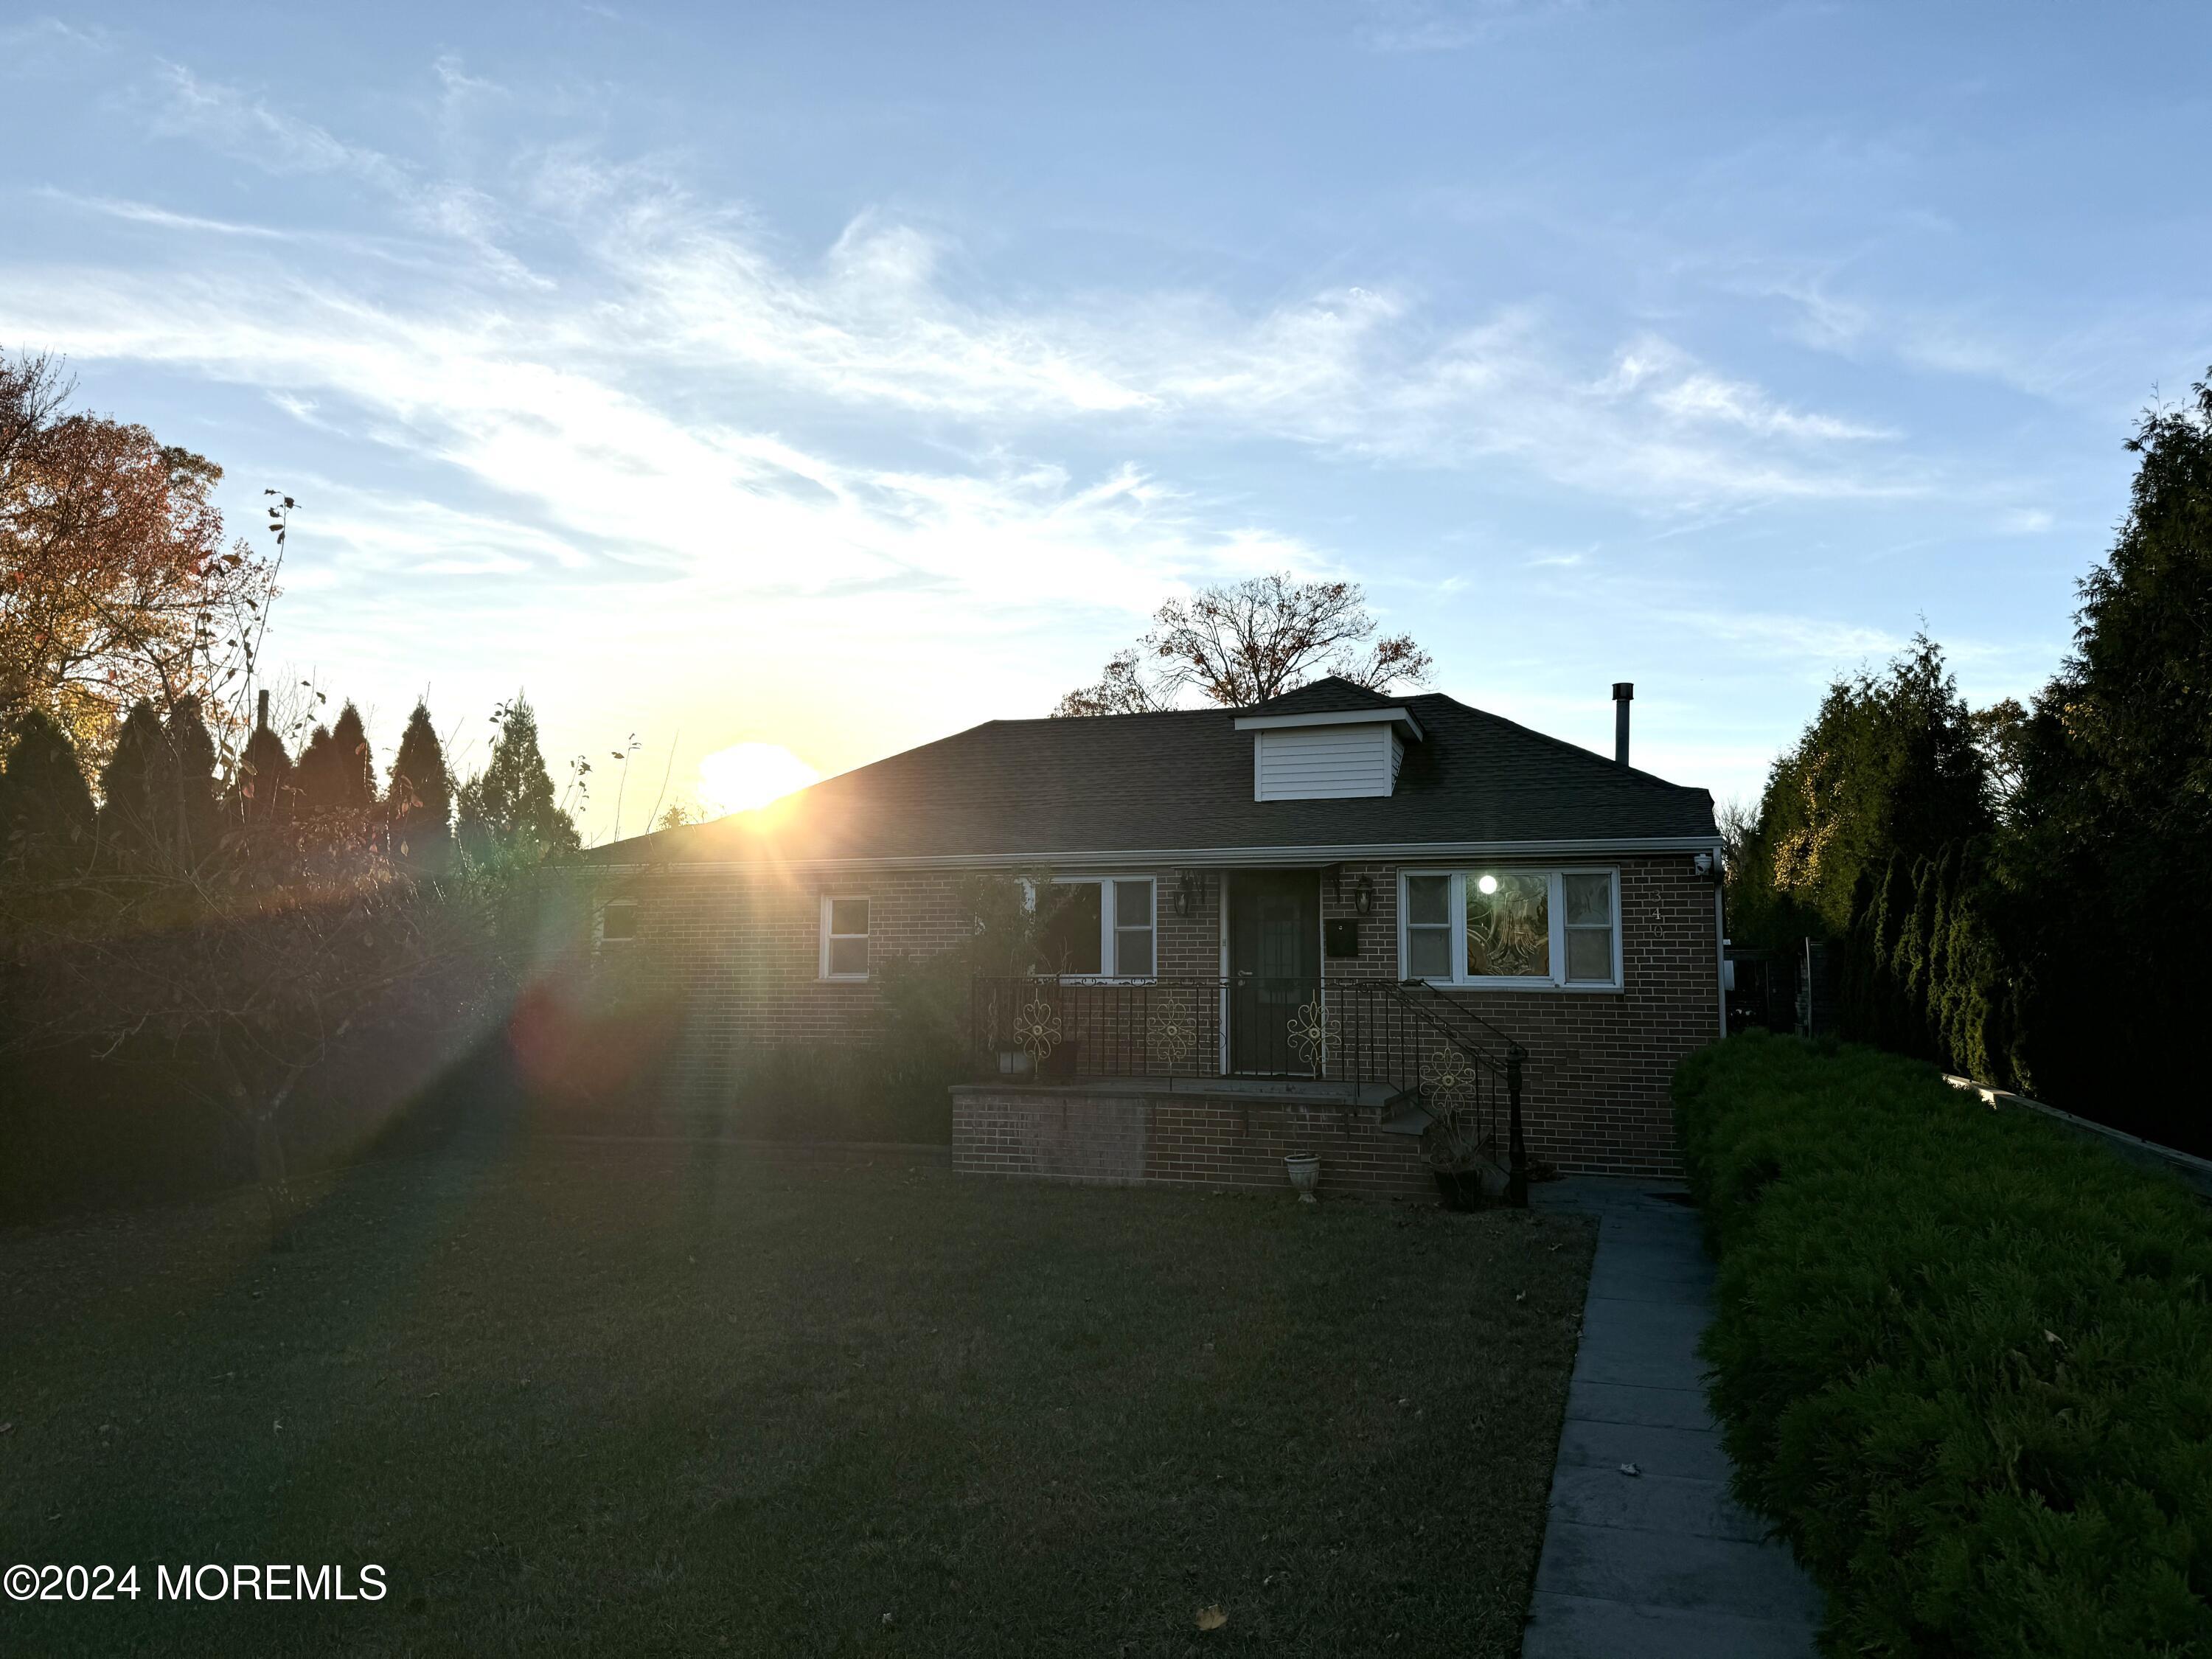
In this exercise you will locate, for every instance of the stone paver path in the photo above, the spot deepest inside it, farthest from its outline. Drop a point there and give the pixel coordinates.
(1663, 1562)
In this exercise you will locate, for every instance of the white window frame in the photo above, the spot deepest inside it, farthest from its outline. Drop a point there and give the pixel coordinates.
(1555, 909)
(601, 937)
(823, 960)
(1106, 950)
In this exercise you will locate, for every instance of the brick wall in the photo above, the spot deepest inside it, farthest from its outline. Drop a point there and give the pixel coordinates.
(1594, 1091)
(1100, 1137)
(733, 958)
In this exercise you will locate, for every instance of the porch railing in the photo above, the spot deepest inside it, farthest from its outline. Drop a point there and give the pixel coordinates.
(1432, 1064)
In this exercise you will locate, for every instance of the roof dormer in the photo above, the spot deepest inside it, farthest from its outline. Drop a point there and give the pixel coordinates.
(1329, 754)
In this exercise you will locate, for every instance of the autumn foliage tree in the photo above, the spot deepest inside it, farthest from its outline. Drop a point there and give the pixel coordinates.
(1243, 642)
(115, 584)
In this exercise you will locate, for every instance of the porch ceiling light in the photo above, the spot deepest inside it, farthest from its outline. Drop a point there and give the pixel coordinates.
(1488, 884)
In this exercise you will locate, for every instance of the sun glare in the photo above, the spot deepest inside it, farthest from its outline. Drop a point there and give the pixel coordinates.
(749, 774)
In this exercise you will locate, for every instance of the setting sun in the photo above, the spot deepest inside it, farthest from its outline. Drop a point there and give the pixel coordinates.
(750, 775)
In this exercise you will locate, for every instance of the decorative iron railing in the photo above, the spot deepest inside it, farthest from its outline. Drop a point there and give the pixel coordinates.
(1406, 1047)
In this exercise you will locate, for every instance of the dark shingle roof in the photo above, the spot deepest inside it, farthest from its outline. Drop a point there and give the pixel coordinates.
(1331, 696)
(1183, 782)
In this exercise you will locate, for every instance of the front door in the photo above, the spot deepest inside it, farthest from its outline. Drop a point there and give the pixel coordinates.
(1275, 968)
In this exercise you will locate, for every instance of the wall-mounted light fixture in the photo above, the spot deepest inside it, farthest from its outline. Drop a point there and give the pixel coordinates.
(1190, 893)
(1363, 896)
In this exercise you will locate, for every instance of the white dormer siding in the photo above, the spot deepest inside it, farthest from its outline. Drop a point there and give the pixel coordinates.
(1326, 755)
(1321, 762)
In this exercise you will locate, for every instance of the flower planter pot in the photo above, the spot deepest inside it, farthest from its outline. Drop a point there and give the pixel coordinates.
(1459, 1190)
(1305, 1170)
(1014, 1062)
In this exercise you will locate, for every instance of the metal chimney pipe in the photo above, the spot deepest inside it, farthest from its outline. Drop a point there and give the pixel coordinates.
(261, 722)
(1624, 693)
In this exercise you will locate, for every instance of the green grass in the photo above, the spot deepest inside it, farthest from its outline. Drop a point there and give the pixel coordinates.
(637, 1399)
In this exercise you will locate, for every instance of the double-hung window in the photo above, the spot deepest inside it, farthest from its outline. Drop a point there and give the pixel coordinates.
(1100, 926)
(1511, 928)
(844, 938)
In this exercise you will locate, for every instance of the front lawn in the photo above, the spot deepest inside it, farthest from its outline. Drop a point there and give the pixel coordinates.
(633, 1399)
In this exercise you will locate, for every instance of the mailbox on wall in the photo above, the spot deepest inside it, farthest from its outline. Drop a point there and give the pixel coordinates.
(1339, 936)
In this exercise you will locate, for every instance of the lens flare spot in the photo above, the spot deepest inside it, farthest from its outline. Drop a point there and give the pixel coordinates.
(749, 774)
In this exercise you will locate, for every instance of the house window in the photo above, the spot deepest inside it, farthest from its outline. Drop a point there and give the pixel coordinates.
(844, 938)
(618, 922)
(1512, 927)
(1508, 926)
(1588, 901)
(1103, 926)
(1132, 929)
(1428, 927)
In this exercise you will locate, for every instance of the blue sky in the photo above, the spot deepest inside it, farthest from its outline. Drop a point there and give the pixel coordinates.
(836, 377)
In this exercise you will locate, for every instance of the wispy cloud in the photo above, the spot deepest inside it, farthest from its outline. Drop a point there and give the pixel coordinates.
(1449, 25)
(249, 130)
(162, 218)
(1820, 642)
(593, 403)
(27, 46)
(1363, 369)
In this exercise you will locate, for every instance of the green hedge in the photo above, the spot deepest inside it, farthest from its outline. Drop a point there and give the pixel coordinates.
(1962, 1359)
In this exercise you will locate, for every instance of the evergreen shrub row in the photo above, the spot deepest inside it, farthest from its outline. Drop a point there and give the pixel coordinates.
(1962, 1359)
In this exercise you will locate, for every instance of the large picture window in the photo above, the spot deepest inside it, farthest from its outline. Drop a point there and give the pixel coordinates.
(1102, 926)
(1508, 927)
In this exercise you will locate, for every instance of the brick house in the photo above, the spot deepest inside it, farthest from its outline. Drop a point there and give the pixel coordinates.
(1313, 925)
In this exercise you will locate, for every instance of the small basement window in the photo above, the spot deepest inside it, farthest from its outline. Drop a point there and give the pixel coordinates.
(844, 938)
(618, 922)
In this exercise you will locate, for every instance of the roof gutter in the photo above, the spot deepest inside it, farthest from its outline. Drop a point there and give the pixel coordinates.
(1234, 858)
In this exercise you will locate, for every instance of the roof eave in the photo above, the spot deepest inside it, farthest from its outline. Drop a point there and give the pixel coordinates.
(1216, 857)
(1335, 717)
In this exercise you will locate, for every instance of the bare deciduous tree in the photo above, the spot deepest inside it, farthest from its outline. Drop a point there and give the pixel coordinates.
(1243, 642)
(1122, 689)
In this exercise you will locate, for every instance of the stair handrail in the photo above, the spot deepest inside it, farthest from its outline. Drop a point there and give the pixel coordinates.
(1509, 1068)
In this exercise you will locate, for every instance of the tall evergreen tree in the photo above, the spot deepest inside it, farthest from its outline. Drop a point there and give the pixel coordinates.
(508, 809)
(2115, 800)
(266, 786)
(1888, 767)
(129, 806)
(421, 797)
(353, 769)
(46, 807)
(190, 820)
(335, 774)
(318, 789)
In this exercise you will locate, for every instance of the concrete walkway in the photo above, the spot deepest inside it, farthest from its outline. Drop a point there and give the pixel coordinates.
(1662, 1562)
